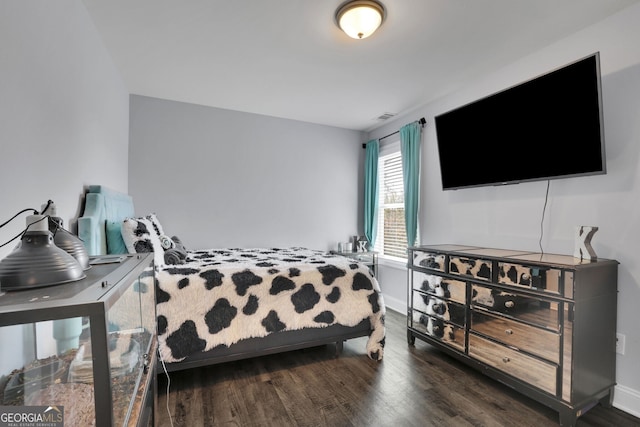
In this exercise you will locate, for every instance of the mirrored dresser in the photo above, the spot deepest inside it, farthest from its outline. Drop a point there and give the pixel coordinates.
(542, 324)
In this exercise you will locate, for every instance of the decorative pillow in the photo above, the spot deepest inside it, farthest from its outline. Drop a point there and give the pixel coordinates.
(177, 254)
(115, 243)
(179, 245)
(173, 257)
(139, 236)
(166, 242)
(156, 224)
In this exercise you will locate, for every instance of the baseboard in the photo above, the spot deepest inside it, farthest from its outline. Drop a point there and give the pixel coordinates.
(395, 304)
(627, 399)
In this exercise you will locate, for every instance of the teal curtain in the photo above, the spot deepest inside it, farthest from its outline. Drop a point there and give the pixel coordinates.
(371, 191)
(410, 138)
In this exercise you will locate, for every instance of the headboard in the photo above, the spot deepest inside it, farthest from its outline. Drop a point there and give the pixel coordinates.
(100, 225)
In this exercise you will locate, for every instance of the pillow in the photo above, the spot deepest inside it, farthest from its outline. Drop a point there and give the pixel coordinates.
(166, 242)
(156, 224)
(178, 244)
(115, 243)
(139, 236)
(177, 254)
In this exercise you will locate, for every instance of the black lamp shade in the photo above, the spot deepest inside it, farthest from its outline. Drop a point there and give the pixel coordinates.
(69, 242)
(38, 262)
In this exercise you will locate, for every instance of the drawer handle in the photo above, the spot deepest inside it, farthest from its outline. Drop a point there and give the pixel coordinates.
(508, 332)
(509, 304)
(506, 359)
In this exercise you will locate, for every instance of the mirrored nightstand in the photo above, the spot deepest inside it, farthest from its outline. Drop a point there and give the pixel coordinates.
(368, 258)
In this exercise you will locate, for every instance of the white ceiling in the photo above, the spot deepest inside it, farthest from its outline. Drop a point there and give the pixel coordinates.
(287, 58)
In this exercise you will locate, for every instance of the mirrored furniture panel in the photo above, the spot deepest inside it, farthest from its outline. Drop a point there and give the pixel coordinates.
(368, 258)
(87, 347)
(543, 324)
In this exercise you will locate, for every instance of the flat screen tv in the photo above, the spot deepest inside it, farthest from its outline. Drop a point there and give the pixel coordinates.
(545, 128)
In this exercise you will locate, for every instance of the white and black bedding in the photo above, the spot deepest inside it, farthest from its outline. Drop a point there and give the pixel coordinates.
(219, 297)
(219, 305)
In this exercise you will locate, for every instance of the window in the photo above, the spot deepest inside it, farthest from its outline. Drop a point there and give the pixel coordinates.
(391, 238)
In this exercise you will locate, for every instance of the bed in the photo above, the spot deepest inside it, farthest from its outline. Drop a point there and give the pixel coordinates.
(223, 304)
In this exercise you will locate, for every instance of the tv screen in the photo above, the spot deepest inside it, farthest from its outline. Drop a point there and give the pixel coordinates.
(546, 128)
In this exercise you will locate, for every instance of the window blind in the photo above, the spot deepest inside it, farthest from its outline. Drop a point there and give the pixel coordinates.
(392, 236)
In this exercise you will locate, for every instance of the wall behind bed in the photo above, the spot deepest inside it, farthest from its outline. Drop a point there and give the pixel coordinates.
(222, 178)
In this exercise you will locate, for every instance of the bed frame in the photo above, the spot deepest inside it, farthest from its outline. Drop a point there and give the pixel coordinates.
(105, 206)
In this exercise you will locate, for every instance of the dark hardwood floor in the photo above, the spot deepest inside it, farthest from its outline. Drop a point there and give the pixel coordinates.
(412, 386)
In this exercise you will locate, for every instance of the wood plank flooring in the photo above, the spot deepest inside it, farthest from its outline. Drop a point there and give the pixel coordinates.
(412, 386)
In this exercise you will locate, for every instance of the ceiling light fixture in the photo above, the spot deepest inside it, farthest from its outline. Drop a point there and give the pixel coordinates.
(360, 18)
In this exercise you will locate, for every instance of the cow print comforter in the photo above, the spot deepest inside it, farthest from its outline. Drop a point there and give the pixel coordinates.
(221, 296)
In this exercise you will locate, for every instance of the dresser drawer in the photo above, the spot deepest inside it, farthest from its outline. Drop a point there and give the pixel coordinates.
(450, 289)
(537, 311)
(527, 368)
(439, 329)
(544, 279)
(542, 343)
(429, 260)
(476, 268)
(437, 307)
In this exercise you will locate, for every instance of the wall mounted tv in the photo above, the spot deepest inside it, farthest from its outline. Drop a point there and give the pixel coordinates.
(546, 128)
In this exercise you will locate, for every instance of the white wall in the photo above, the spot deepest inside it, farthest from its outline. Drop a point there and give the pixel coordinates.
(510, 216)
(64, 118)
(221, 178)
(63, 110)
